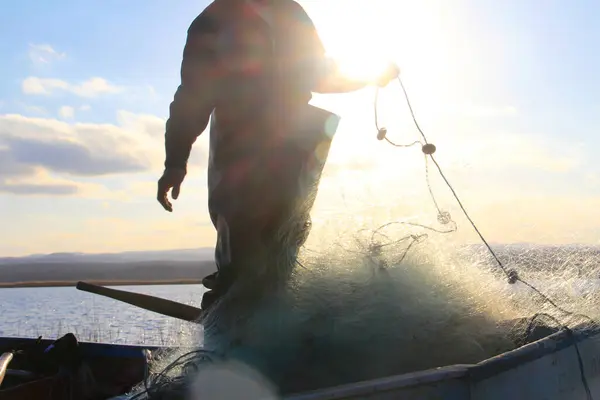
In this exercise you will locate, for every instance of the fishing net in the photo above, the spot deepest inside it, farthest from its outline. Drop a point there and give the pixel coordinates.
(367, 317)
(368, 298)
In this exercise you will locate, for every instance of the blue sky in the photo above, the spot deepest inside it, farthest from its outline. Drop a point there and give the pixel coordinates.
(507, 90)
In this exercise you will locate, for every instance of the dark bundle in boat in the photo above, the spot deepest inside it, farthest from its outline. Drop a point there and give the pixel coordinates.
(66, 369)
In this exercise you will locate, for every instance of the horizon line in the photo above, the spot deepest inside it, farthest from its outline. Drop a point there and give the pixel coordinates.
(494, 244)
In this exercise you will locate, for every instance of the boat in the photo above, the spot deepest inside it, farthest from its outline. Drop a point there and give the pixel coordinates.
(561, 365)
(546, 369)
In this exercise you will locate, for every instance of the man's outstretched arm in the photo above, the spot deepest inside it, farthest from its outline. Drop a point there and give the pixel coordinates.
(329, 79)
(191, 107)
(335, 82)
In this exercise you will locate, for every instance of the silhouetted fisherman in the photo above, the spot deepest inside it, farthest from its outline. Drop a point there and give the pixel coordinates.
(252, 66)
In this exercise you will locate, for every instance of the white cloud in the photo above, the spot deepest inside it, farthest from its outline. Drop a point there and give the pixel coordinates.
(85, 107)
(36, 148)
(95, 86)
(40, 182)
(77, 148)
(33, 109)
(89, 88)
(44, 54)
(66, 112)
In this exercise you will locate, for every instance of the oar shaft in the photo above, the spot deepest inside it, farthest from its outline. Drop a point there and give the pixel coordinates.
(5, 359)
(147, 302)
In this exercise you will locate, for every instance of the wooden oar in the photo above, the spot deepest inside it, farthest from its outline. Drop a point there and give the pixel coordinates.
(147, 302)
(5, 359)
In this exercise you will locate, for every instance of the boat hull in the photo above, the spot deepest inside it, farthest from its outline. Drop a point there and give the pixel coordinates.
(548, 369)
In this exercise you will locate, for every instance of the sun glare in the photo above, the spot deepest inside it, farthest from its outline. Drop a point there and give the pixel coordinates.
(362, 68)
(360, 53)
(363, 36)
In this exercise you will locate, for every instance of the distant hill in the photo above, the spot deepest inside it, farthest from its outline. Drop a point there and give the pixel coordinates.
(202, 254)
(141, 267)
(191, 265)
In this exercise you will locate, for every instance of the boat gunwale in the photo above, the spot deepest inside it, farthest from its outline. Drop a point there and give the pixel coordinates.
(92, 349)
(472, 372)
(387, 384)
(532, 351)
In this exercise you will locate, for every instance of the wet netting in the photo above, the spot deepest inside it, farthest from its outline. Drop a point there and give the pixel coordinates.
(370, 299)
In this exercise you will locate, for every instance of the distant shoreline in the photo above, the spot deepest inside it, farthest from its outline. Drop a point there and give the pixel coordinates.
(33, 284)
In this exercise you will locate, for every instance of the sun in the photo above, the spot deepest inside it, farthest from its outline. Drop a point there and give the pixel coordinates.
(357, 34)
(363, 37)
(362, 52)
(360, 68)
(359, 54)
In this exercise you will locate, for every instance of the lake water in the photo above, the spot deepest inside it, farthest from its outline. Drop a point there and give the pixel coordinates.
(52, 312)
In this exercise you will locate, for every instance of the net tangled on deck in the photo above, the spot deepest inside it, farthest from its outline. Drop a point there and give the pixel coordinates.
(350, 315)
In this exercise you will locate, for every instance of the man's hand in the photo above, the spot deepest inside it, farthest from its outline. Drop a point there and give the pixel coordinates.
(391, 72)
(171, 179)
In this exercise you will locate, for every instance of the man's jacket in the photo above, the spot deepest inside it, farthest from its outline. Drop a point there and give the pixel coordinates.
(253, 68)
